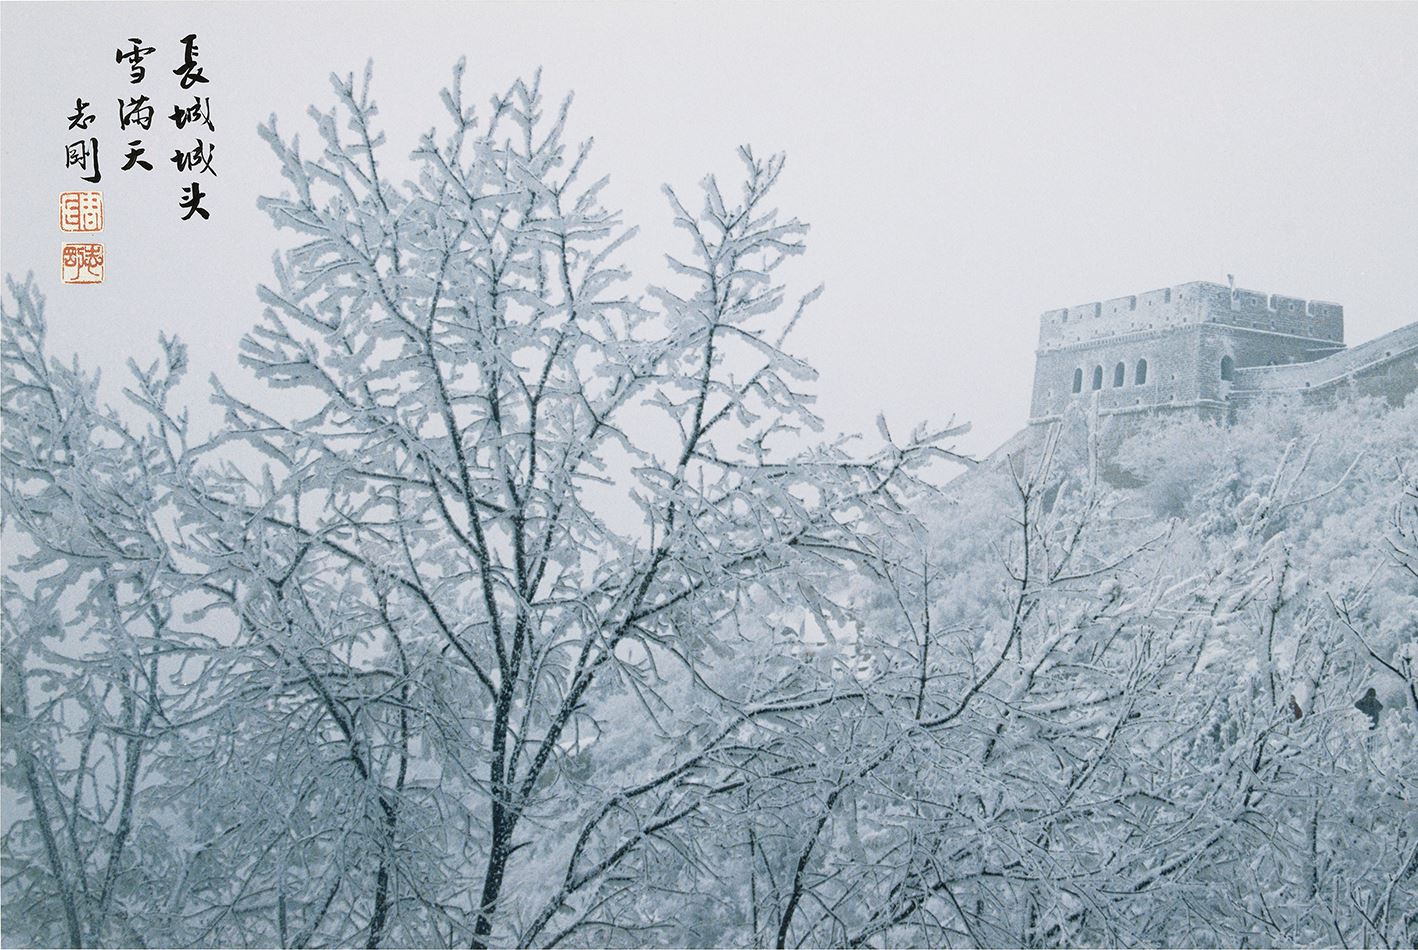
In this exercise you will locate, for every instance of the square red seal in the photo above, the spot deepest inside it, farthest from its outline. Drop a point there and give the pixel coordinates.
(82, 264)
(81, 211)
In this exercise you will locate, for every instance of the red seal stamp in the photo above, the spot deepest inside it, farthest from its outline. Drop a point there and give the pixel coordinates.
(82, 264)
(81, 211)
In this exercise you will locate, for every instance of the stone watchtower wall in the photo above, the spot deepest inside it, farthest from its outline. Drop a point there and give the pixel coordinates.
(1385, 367)
(1171, 350)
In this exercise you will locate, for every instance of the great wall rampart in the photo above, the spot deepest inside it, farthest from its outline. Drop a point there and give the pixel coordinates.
(1208, 349)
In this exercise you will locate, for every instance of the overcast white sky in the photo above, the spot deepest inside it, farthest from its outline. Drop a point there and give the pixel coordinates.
(964, 166)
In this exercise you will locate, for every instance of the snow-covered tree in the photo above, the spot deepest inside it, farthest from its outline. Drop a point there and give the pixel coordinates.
(479, 602)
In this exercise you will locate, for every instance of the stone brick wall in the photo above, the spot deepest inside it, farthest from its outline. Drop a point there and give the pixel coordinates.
(1054, 372)
(1386, 366)
(1191, 303)
(1184, 333)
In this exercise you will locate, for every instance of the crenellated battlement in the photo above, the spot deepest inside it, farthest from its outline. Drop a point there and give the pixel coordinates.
(1191, 304)
(1210, 351)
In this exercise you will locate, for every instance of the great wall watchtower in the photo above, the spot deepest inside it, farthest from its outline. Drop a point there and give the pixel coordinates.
(1206, 349)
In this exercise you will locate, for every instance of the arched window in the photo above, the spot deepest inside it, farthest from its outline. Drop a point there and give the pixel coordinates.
(1119, 374)
(1139, 375)
(1078, 380)
(1228, 368)
(1097, 377)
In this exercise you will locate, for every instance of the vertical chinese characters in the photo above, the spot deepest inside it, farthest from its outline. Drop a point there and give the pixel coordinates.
(83, 154)
(139, 142)
(135, 113)
(195, 159)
